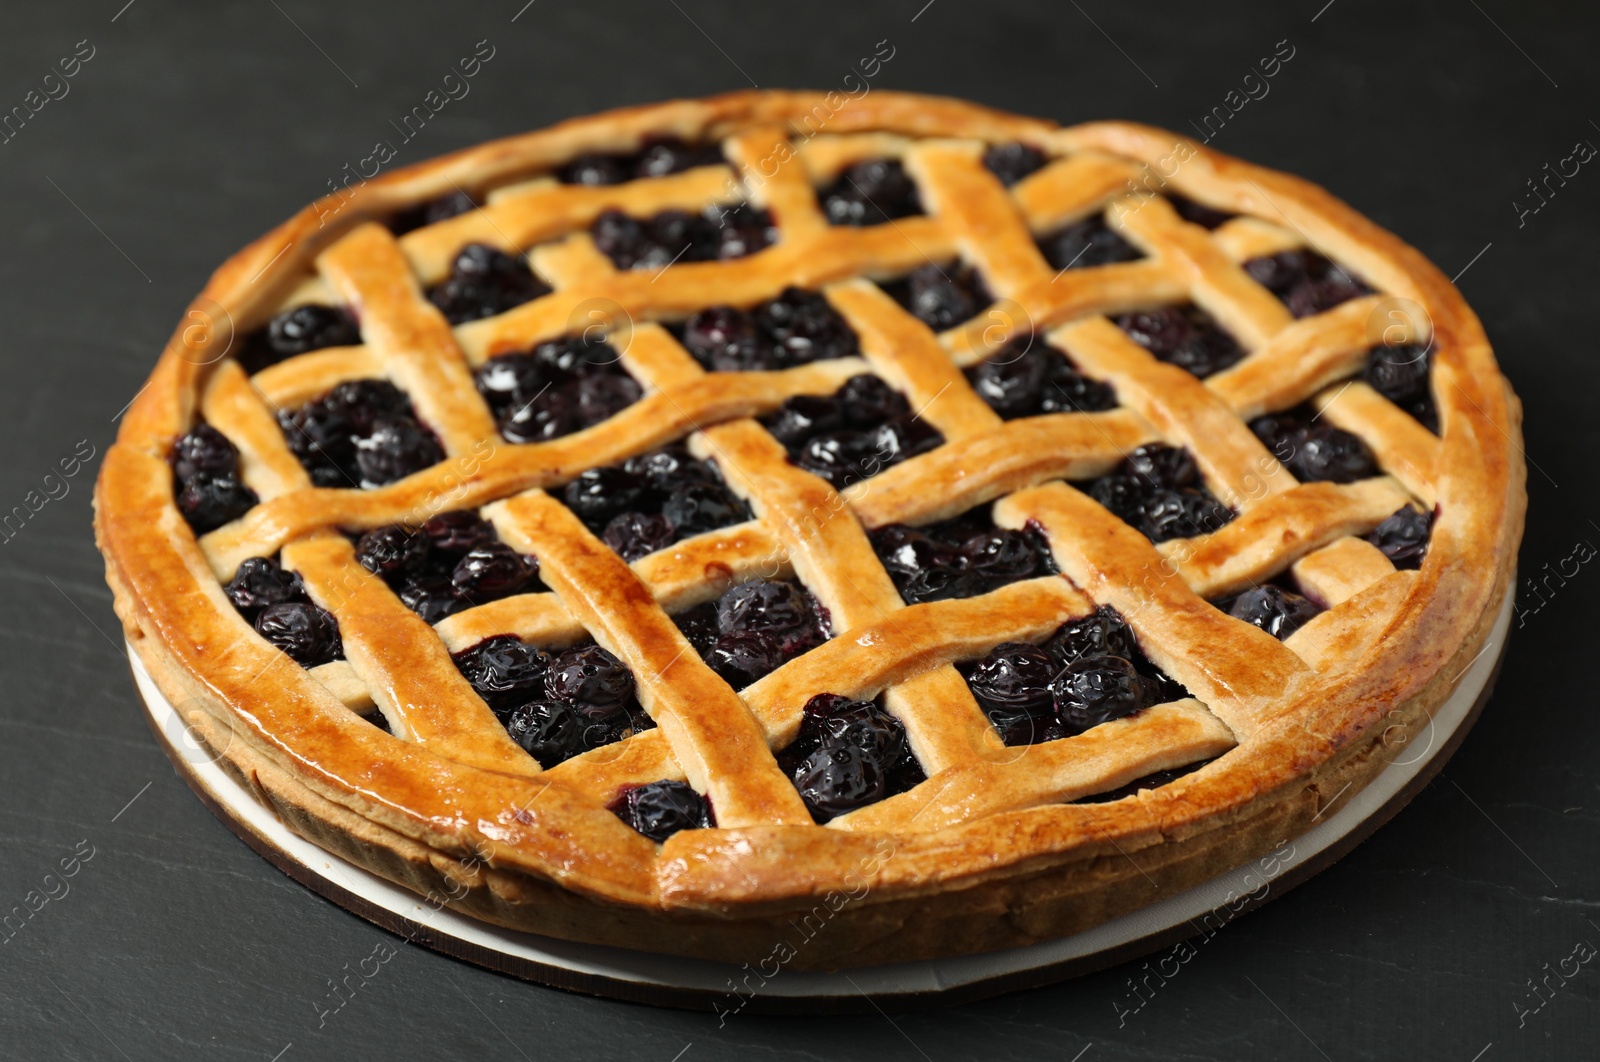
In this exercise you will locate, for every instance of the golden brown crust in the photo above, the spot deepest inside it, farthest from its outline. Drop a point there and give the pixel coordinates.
(997, 862)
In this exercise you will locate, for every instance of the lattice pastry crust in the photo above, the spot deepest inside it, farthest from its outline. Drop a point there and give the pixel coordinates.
(990, 850)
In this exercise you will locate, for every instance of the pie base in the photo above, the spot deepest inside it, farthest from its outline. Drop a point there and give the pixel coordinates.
(1049, 901)
(638, 977)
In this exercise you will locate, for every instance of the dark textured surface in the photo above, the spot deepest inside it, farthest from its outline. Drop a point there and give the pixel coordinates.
(193, 129)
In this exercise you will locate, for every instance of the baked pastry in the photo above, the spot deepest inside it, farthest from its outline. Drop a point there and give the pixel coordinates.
(933, 529)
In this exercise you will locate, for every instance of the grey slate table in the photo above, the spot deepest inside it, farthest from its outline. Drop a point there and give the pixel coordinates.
(191, 128)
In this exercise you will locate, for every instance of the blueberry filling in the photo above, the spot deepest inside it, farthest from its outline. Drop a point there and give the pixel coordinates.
(870, 193)
(754, 628)
(1400, 374)
(795, 328)
(441, 208)
(453, 561)
(1012, 162)
(1026, 378)
(1089, 672)
(673, 236)
(310, 326)
(1149, 781)
(557, 388)
(485, 281)
(657, 158)
(1313, 449)
(555, 706)
(362, 433)
(1275, 609)
(1403, 537)
(1090, 242)
(1157, 489)
(1307, 282)
(848, 754)
(653, 500)
(276, 604)
(941, 298)
(962, 557)
(1197, 213)
(863, 428)
(1184, 336)
(660, 809)
(205, 469)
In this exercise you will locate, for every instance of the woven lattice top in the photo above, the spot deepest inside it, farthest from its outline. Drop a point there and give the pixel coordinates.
(1240, 679)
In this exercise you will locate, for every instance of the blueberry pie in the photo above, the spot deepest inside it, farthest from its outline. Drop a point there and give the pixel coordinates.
(939, 527)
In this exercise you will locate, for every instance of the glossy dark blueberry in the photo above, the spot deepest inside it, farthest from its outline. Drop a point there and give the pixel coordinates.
(590, 679)
(1028, 377)
(1015, 676)
(699, 625)
(839, 778)
(207, 504)
(829, 719)
(259, 582)
(505, 671)
(1102, 632)
(1400, 374)
(433, 597)
(1090, 242)
(670, 155)
(1012, 162)
(392, 552)
(870, 193)
(485, 281)
(307, 632)
(1315, 450)
(204, 451)
(1307, 282)
(1162, 466)
(1197, 213)
(1133, 495)
(1097, 689)
(595, 170)
(1168, 514)
(674, 236)
(660, 809)
(493, 570)
(805, 327)
(657, 158)
(602, 396)
(743, 657)
(548, 731)
(941, 297)
(696, 508)
(544, 417)
(743, 230)
(1184, 336)
(959, 558)
(764, 605)
(1403, 537)
(362, 433)
(923, 568)
(671, 467)
(599, 494)
(457, 532)
(804, 416)
(443, 208)
(395, 449)
(297, 331)
(795, 328)
(881, 431)
(557, 388)
(1275, 610)
(635, 535)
